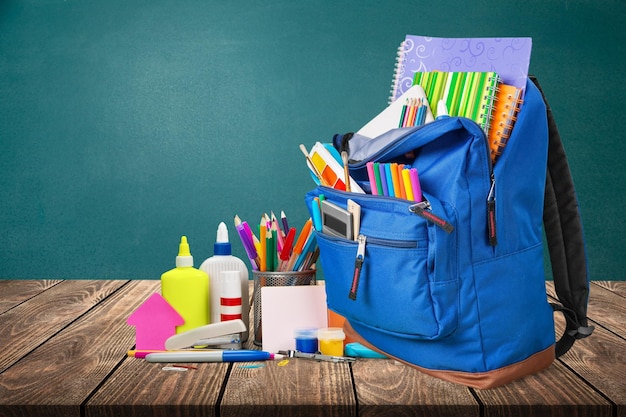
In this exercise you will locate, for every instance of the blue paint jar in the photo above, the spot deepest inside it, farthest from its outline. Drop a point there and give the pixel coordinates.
(306, 340)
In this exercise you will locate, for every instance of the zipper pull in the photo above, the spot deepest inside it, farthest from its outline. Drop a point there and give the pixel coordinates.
(491, 213)
(422, 209)
(358, 264)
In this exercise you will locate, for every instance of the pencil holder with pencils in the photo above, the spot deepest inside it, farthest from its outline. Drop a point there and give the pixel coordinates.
(275, 279)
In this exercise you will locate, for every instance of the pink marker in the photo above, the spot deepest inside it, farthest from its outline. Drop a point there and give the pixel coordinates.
(372, 178)
(415, 185)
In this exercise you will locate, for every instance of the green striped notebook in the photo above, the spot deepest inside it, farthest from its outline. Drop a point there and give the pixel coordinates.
(466, 94)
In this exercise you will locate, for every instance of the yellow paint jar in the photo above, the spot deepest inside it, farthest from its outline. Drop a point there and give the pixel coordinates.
(331, 341)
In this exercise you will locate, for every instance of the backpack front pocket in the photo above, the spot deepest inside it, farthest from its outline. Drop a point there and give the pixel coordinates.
(401, 289)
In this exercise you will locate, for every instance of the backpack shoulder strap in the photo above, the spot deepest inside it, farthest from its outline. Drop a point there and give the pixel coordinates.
(565, 237)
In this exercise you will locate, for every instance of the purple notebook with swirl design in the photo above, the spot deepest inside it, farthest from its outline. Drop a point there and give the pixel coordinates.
(509, 57)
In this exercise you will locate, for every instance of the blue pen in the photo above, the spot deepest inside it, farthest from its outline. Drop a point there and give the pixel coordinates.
(212, 356)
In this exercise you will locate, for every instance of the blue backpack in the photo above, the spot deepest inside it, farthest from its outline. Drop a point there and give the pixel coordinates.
(455, 286)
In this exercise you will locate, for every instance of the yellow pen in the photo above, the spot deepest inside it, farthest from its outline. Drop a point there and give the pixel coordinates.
(263, 243)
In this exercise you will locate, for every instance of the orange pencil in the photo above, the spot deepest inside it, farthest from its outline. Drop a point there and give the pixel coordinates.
(297, 249)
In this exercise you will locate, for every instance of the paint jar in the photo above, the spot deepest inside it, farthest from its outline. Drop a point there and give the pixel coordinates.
(306, 340)
(331, 341)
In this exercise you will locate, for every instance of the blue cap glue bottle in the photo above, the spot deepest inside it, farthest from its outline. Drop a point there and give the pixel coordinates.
(215, 266)
(186, 289)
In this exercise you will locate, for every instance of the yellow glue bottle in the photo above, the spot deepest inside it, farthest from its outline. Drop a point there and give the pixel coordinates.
(186, 289)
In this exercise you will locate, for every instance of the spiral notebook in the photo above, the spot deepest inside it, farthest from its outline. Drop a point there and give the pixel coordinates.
(509, 57)
(465, 94)
(507, 106)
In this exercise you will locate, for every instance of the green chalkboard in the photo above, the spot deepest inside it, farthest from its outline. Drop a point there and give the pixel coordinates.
(126, 124)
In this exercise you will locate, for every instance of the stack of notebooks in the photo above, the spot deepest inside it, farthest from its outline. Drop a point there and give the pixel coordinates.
(466, 94)
(507, 106)
(482, 79)
(509, 57)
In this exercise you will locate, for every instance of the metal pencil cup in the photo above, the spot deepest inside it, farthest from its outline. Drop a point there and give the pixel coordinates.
(275, 279)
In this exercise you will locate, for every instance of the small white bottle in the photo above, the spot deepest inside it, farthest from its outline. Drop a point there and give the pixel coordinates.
(230, 297)
(223, 260)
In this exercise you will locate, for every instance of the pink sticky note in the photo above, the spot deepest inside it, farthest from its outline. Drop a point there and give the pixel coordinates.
(155, 320)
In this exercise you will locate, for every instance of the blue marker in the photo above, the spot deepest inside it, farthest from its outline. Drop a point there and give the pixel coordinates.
(317, 214)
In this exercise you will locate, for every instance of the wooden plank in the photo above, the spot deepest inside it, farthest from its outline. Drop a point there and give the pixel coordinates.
(605, 307)
(58, 376)
(618, 287)
(14, 292)
(599, 359)
(556, 391)
(559, 391)
(138, 387)
(31, 323)
(302, 387)
(386, 387)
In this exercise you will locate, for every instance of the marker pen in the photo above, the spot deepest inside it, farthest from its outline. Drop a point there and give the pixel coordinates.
(212, 356)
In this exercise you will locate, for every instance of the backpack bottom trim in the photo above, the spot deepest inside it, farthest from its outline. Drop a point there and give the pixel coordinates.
(480, 380)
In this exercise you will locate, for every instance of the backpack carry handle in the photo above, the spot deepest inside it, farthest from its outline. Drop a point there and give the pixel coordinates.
(564, 233)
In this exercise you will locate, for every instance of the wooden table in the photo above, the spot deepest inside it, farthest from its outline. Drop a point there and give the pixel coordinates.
(63, 352)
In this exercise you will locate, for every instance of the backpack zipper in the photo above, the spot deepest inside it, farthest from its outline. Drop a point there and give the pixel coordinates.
(423, 209)
(360, 256)
(358, 265)
(491, 212)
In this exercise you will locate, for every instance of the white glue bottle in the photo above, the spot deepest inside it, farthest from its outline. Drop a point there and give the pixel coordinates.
(223, 260)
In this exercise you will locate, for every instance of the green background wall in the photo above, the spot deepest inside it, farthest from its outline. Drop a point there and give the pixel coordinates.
(126, 124)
